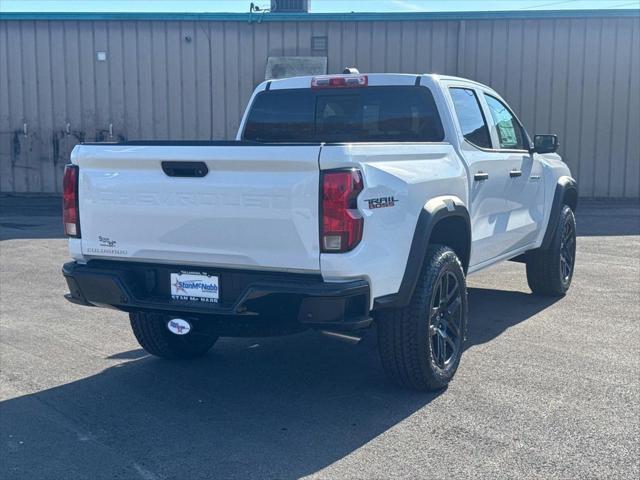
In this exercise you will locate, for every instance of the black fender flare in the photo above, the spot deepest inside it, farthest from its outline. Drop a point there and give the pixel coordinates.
(566, 193)
(434, 211)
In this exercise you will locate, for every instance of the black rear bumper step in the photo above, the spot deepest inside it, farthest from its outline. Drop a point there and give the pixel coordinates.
(255, 297)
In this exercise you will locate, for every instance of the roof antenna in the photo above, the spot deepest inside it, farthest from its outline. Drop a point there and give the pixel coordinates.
(351, 70)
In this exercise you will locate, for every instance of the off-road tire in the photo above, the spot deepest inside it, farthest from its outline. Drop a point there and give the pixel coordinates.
(544, 266)
(404, 333)
(151, 331)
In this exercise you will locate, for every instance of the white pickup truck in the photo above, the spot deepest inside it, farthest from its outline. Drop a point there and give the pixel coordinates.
(345, 200)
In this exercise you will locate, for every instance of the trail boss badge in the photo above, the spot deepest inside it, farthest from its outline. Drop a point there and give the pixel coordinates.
(381, 202)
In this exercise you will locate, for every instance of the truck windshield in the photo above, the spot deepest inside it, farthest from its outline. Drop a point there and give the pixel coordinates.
(370, 114)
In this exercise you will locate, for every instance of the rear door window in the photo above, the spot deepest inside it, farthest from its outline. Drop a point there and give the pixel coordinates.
(472, 122)
(370, 114)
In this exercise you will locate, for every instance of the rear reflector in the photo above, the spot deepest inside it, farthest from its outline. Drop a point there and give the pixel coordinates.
(70, 212)
(341, 223)
(342, 81)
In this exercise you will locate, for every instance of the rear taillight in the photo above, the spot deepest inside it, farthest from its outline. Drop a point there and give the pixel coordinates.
(342, 81)
(341, 223)
(70, 213)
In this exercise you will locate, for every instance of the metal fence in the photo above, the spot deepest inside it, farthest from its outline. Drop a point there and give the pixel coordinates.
(69, 78)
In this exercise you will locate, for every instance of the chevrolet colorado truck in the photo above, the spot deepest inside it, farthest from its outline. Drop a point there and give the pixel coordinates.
(345, 201)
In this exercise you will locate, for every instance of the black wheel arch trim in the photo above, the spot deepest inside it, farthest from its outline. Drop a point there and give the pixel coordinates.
(566, 193)
(433, 212)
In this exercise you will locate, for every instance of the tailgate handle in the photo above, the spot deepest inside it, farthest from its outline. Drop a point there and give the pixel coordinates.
(185, 169)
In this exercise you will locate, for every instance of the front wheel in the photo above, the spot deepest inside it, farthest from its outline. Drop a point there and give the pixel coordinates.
(421, 344)
(150, 329)
(550, 271)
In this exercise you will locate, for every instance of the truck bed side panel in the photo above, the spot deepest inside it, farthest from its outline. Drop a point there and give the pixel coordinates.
(410, 174)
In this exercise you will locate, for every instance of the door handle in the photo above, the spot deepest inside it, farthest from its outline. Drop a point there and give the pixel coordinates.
(515, 173)
(185, 169)
(481, 176)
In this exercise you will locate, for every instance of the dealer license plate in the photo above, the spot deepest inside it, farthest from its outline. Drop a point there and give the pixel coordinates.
(195, 287)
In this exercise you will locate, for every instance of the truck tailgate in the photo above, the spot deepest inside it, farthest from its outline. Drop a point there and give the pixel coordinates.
(257, 207)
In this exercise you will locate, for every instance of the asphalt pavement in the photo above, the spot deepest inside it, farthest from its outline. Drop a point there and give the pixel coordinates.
(547, 388)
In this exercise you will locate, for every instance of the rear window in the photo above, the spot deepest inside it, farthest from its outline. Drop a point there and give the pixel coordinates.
(371, 114)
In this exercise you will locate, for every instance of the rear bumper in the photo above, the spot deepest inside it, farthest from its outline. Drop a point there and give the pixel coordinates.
(249, 300)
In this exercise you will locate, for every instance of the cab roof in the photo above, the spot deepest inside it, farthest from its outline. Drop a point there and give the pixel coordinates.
(374, 79)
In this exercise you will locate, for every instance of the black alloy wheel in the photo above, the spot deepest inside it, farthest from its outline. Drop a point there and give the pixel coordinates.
(445, 321)
(567, 251)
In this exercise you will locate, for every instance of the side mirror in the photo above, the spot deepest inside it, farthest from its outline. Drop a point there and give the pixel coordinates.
(545, 144)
